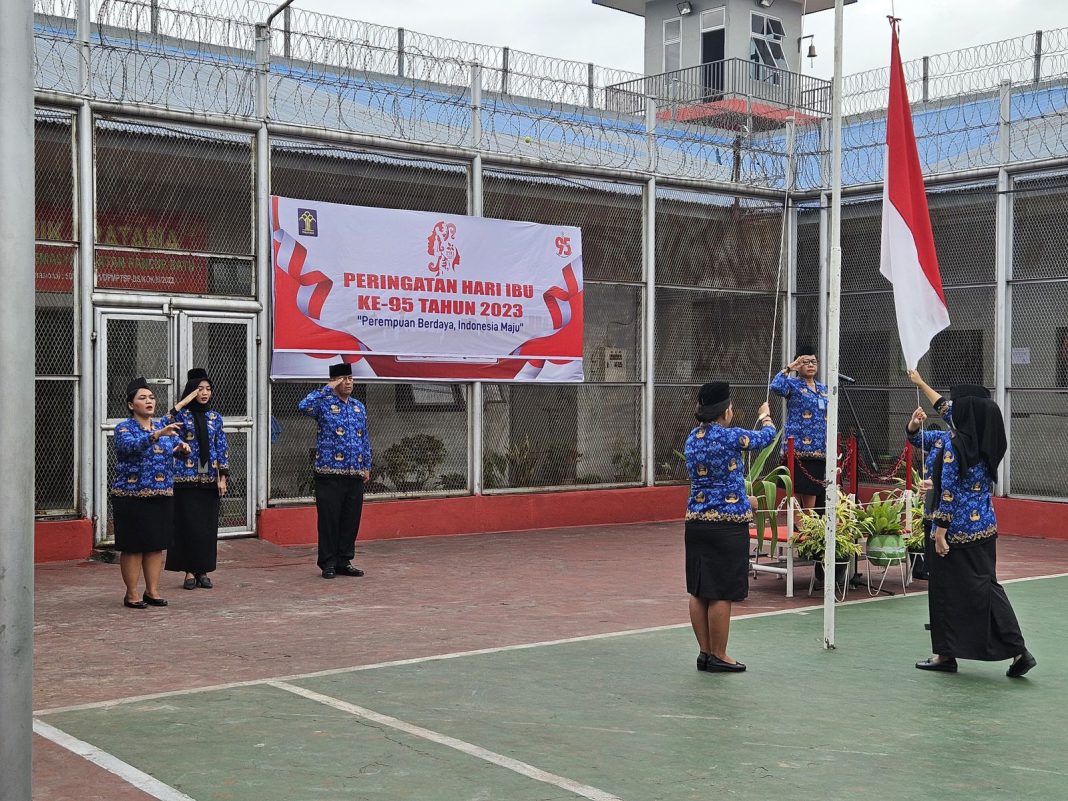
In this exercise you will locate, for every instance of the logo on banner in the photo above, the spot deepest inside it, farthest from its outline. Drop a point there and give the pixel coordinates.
(441, 244)
(307, 222)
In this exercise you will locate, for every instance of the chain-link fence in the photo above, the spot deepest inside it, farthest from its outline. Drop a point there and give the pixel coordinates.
(55, 327)
(419, 439)
(173, 209)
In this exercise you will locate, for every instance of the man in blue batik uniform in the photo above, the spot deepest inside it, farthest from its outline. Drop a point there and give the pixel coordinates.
(342, 466)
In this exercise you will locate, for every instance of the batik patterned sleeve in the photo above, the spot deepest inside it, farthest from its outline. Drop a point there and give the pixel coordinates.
(752, 440)
(222, 450)
(131, 441)
(781, 385)
(311, 405)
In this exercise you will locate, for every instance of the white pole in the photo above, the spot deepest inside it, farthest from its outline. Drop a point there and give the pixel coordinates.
(649, 328)
(476, 421)
(833, 314)
(16, 398)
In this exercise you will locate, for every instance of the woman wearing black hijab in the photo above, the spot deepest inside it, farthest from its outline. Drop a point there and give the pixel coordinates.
(199, 481)
(971, 616)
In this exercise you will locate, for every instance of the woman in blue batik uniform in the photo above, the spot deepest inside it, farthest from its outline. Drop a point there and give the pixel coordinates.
(971, 616)
(932, 445)
(200, 480)
(717, 521)
(806, 422)
(342, 466)
(142, 493)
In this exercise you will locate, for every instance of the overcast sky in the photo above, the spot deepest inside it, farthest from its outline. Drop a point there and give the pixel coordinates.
(578, 30)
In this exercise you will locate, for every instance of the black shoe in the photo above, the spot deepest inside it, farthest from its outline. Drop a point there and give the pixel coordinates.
(702, 661)
(942, 665)
(717, 665)
(349, 570)
(926, 626)
(153, 601)
(328, 573)
(189, 584)
(204, 582)
(134, 604)
(1021, 665)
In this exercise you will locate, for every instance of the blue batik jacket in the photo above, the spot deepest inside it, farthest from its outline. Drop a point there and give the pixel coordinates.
(187, 470)
(717, 471)
(143, 468)
(806, 415)
(342, 443)
(932, 444)
(966, 507)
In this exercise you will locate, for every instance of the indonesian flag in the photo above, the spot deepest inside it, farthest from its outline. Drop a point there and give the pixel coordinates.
(909, 260)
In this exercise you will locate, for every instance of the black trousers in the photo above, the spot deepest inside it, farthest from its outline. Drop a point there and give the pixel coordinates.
(338, 505)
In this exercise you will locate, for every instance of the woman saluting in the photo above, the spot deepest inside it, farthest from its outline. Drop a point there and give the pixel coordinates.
(200, 480)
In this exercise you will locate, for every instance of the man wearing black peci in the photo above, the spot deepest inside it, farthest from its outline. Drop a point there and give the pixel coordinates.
(342, 466)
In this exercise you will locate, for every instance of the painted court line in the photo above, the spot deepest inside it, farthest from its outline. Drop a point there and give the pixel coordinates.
(112, 764)
(522, 768)
(133, 699)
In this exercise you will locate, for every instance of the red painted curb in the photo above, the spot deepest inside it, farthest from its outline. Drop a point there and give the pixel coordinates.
(62, 540)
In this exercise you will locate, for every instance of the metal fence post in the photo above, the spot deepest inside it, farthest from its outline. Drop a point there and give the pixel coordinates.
(17, 410)
(649, 332)
(505, 57)
(589, 85)
(1038, 57)
(400, 52)
(926, 78)
(262, 239)
(1002, 291)
(286, 29)
(474, 208)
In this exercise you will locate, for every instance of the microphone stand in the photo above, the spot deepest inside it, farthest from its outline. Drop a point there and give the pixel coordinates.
(860, 430)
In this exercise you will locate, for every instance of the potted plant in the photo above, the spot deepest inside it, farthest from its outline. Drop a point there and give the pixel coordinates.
(410, 463)
(808, 539)
(916, 542)
(880, 521)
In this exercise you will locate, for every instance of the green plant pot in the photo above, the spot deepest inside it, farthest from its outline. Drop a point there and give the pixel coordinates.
(886, 549)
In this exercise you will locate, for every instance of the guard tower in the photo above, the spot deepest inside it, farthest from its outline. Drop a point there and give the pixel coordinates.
(726, 63)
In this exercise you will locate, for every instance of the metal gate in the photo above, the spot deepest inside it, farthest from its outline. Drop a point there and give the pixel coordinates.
(162, 346)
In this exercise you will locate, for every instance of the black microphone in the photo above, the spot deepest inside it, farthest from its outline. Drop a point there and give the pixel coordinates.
(846, 378)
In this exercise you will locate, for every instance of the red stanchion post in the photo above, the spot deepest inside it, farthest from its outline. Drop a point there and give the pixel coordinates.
(908, 465)
(790, 458)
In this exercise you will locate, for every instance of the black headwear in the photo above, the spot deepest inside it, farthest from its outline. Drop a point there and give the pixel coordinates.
(978, 433)
(342, 369)
(968, 391)
(199, 410)
(712, 401)
(132, 388)
(804, 349)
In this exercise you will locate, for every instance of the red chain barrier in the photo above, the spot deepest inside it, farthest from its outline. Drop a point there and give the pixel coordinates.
(891, 474)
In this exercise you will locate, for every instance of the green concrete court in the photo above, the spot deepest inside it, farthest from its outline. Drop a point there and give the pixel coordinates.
(627, 717)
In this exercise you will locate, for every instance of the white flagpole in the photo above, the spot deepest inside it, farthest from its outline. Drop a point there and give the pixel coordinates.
(833, 315)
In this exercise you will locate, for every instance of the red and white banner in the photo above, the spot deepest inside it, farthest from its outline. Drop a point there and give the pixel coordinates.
(418, 295)
(909, 259)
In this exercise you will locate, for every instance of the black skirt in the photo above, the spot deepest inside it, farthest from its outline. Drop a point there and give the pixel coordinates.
(143, 525)
(804, 485)
(971, 617)
(196, 529)
(717, 560)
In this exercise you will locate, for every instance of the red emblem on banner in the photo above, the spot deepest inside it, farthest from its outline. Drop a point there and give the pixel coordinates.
(441, 244)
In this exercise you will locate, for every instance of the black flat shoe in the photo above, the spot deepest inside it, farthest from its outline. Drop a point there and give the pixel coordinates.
(134, 604)
(702, 661)
(153, 601)
(1022, 665)
(329, 573)
(941, 666)
(349, 570)
(189, 584)
(717, 665)
(926, 626)
(204, 582)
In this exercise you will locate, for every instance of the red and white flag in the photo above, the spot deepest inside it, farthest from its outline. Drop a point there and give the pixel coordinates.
(909, 260)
